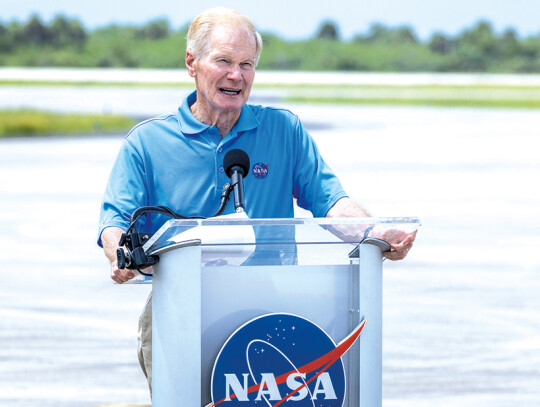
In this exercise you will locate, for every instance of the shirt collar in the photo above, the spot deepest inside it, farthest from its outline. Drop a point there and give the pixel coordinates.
(190, 125)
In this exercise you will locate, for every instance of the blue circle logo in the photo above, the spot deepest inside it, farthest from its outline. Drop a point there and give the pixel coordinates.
(260, 170)
(279, 358)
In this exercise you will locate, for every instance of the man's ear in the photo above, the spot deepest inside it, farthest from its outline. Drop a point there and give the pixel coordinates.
(190, 63)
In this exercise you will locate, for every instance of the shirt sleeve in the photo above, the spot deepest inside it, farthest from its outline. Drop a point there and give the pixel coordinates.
(315, 186)
(125, 191)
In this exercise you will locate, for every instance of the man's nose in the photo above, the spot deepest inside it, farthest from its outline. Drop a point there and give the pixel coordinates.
(235, 72)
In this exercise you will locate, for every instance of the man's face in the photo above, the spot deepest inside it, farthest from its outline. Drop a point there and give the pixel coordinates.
(224, 76)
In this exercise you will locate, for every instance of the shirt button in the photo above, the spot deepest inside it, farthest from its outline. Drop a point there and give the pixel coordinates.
(221, 169)
(220, 150)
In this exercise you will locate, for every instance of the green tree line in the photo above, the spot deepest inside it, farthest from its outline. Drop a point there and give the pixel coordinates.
(66, 42)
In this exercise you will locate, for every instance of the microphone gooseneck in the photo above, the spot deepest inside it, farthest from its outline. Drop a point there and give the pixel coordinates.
(236, 165)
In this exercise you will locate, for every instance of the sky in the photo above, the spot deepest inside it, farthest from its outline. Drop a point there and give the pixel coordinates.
(297, 19)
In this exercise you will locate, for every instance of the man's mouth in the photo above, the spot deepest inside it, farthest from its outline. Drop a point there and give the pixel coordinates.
(231, 92)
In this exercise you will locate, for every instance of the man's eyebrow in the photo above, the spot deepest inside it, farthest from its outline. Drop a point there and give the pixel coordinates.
(250, 60)
(229, 57)
(221, 55)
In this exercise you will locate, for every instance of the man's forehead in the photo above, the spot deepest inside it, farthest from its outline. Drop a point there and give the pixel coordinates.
(230, 53)
(232, 36)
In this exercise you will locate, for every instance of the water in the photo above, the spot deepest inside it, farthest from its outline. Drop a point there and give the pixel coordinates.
(461, 325)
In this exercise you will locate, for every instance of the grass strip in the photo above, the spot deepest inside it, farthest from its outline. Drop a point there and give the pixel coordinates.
(15, 123)
(480, 103)
(122, 84)
(277, 86)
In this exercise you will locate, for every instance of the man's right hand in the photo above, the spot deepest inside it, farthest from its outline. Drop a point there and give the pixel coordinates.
(110, 238)
(120, 276)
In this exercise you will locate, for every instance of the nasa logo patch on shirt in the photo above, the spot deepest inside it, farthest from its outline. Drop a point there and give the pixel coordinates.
(278, 358)
(260, 170)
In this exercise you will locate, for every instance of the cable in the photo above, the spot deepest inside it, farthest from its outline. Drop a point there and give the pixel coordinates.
(142, 272)
(135, 257)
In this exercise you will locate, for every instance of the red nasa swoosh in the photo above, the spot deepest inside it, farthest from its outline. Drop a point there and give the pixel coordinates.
(325, 361)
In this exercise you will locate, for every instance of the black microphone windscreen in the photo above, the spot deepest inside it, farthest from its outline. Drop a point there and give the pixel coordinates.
(234, 158)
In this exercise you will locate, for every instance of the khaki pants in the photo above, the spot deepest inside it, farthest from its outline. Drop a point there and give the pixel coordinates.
(144, 341)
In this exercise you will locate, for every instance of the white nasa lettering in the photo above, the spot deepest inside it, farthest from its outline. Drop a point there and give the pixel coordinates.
(268, 380)
(268, 387)
(231, 382)
(326, 387)
(293, 385)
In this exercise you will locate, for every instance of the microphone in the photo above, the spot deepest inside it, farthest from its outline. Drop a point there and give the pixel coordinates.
(236, 164)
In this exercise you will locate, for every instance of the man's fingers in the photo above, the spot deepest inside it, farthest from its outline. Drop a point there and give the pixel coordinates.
(402, 242)
(396, 255)
(120, 275)
(400, 247)
(117, 280)
(399, 251)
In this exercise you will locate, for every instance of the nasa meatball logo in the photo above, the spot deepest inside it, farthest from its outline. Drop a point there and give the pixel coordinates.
(279, 358)
(260, 170)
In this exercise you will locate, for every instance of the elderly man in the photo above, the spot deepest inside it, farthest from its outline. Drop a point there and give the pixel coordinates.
(176, 160)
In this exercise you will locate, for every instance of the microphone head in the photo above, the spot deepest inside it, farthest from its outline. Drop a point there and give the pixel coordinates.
(236, 158)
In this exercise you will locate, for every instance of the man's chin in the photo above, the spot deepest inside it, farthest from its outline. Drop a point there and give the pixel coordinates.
(231, 107)
(232, 100)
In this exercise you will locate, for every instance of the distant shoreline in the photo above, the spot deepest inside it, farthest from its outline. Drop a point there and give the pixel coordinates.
(26, 117)
(175, 77)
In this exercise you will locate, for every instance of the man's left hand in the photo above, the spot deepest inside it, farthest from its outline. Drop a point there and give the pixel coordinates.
(400, 241)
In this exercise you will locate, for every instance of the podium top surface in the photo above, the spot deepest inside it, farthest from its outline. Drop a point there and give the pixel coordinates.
(234, 238)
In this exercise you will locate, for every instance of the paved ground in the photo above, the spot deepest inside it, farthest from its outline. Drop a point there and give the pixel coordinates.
(461, 323)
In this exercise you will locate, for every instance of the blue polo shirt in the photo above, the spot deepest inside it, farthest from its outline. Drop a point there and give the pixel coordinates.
(177, 161)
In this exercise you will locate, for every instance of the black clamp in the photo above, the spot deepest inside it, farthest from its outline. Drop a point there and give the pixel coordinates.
(132, 256)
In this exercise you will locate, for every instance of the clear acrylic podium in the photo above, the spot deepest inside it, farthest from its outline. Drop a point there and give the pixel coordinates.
(214, 275)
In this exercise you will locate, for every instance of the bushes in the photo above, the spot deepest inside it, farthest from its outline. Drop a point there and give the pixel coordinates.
(65, 42)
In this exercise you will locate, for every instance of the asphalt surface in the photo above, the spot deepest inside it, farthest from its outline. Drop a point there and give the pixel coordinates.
(461, 325)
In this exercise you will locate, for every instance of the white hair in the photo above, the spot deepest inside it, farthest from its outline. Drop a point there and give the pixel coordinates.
(200, 29)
